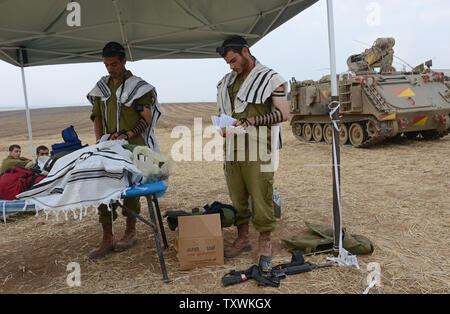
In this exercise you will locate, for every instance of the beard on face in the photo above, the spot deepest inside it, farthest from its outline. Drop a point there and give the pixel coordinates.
(245, 64)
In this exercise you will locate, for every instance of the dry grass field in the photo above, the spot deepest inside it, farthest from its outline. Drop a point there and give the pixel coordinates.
(396, 194)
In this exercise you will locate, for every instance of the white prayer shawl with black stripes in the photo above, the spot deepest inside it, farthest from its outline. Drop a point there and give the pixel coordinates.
(135, 88)
(256, 89)
(259, 85)
(90, 176)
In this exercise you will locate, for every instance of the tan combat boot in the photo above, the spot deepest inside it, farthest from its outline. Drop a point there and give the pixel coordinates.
(107, 244)
(129, 239)
(264, 245)
(241, 244)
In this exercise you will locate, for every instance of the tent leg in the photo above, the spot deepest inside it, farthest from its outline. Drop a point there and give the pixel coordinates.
(27, 109)
(337, 215)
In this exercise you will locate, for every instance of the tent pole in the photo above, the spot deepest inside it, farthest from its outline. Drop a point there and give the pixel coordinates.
(332, 44)
(337, 214)
(30, 132)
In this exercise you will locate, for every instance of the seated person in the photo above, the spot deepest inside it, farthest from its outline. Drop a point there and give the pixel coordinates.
(14, 159)
(42, 156)
(42, 151)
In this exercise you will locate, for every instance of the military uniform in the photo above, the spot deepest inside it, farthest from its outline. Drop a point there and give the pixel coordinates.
(128, 118)
(245, 178)
(10, 162)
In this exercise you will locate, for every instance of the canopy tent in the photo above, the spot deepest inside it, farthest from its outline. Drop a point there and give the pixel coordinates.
(150, 29)
(61, 32)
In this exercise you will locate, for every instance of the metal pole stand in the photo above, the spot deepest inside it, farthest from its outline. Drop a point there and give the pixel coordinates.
(337, 220)
(23, 58)
(153, 225)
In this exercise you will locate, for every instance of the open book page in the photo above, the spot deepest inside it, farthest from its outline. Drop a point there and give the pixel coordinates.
(226, 121)
(104, 138)
(222, 121)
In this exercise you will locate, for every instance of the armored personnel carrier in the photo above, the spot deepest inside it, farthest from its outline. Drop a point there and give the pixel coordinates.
(374, 105)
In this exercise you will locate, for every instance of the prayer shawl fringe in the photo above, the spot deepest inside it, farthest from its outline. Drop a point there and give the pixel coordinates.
(135, 88)
(90, 176)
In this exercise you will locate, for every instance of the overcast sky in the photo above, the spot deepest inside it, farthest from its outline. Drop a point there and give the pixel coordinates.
(299, 49)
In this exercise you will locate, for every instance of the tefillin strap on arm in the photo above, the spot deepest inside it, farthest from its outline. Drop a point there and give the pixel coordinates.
(268, 119)
(279, 93)
(245, 121)
(140, 126)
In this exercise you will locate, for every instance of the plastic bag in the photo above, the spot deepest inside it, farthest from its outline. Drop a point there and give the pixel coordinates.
(154, 166)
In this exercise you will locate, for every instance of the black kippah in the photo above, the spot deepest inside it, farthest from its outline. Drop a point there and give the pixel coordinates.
(235, 40)
(235, 43)
(112, 49)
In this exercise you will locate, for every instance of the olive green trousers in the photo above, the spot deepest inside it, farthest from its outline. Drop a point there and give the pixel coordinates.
(131, 203)
(245, 179)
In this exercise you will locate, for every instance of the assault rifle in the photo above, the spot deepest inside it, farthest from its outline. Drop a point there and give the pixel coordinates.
(297, 269)
(272, 278)
(234, 277)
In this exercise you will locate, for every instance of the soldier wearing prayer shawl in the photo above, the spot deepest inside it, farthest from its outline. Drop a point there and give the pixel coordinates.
(256, 96)
(124, 107)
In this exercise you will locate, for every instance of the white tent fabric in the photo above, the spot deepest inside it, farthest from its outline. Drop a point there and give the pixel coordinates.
(150, 29)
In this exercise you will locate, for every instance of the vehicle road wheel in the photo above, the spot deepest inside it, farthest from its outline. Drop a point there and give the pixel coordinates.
(343, 134)
(307, 132)
(371, 127)
(317, 132)
(328, 133)
(357, 134)
(297, 130)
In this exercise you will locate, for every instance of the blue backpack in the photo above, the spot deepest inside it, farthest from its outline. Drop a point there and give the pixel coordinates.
(69, 135)
(71, 142)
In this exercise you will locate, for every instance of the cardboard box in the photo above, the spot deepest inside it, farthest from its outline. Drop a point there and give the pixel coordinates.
(200, 241)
